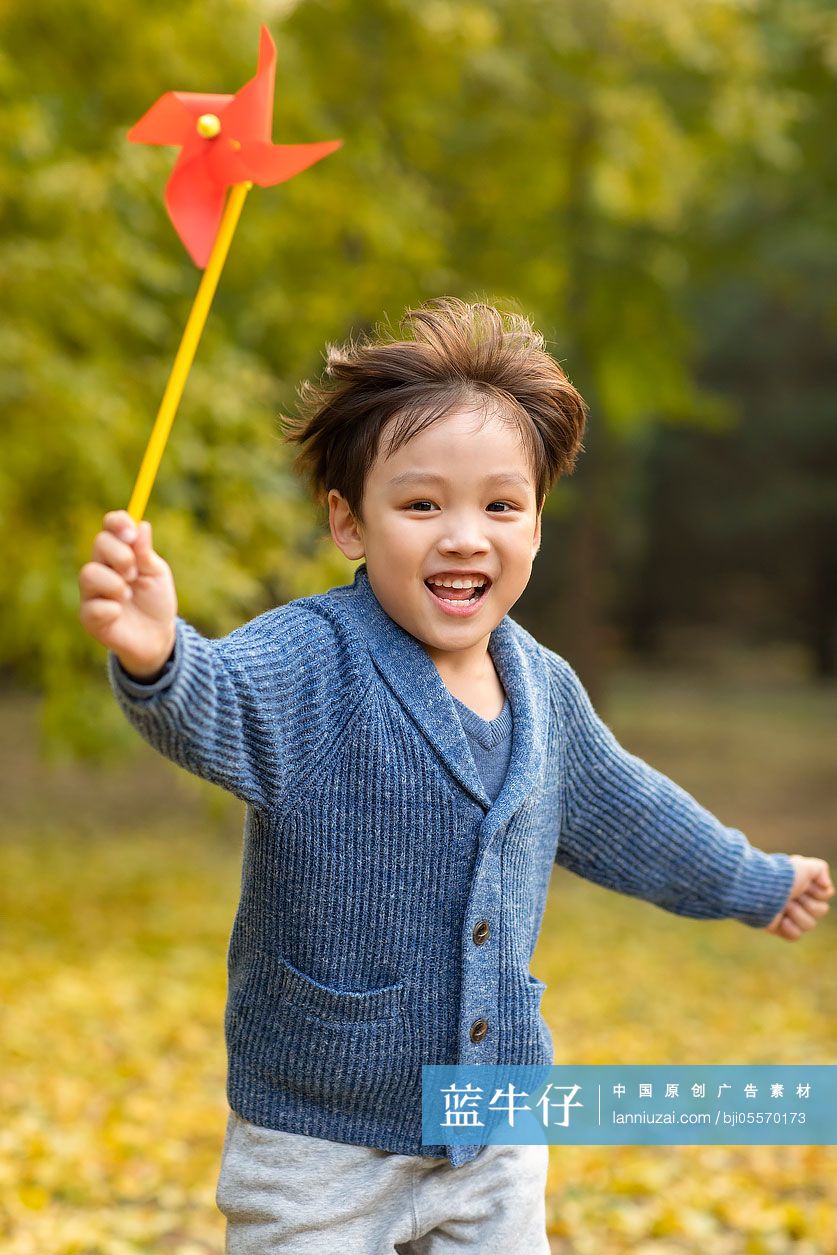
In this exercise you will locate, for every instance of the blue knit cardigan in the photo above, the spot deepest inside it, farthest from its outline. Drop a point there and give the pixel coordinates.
(372, 852)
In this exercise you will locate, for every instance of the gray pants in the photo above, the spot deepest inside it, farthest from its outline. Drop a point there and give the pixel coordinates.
(296, 1195)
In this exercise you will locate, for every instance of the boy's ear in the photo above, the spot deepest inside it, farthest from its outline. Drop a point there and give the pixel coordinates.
(536, 539)
(344, 528)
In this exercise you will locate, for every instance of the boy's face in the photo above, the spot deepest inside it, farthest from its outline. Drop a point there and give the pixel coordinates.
(468, 508)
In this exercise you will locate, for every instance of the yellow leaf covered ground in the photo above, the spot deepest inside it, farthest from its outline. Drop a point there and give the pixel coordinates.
(629, 983)
(113, 1085)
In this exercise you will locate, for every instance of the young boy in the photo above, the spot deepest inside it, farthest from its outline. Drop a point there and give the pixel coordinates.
(413, 763)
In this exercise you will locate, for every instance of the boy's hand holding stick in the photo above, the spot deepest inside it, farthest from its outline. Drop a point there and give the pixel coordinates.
(128, 598)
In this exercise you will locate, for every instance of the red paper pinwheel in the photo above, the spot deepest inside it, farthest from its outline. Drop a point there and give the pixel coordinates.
(225, 143)
(224, 140)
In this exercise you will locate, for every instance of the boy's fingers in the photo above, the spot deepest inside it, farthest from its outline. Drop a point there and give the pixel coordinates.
(149, 562)
(820, 889)
(816, 906)
(113, 553)
(96, 580)
(787, 928)
(821, 874)
(144, 537)
(797, 911)
(98, 612)
(121, 523)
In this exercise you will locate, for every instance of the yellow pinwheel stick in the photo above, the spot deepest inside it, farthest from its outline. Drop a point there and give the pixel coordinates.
(186, 352)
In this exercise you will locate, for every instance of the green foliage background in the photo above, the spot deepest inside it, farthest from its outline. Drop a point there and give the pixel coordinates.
(600, 164)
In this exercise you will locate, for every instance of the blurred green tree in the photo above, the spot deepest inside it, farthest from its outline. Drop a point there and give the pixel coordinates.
(757, 515)
(565, 159)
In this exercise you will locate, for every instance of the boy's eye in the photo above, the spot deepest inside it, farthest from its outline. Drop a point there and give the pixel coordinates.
(413, 505)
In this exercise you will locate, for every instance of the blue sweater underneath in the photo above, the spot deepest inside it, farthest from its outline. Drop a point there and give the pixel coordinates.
(490, 742)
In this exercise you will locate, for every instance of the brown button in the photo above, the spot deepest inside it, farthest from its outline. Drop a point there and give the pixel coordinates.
(479, 1028)
(481, 931)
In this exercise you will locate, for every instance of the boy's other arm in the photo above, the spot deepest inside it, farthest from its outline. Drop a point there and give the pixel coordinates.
(630, 828)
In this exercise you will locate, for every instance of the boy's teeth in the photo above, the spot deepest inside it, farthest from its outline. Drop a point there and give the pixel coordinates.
(459, 601)
(473, 587)
(458, 583)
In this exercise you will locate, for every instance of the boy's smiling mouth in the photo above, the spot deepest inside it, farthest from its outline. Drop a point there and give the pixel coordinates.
(457, 594)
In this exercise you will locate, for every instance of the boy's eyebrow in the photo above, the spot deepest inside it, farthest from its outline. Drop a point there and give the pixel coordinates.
(499, 477)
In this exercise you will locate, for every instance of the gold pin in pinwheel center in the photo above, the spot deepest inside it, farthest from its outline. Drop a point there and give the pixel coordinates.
(208, 125)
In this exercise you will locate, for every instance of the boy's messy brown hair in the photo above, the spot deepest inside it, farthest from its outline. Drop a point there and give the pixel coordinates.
(451, 354)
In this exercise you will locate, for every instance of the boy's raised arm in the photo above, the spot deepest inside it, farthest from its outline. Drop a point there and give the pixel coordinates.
(630, 828)
(203, 714)
(218, 708)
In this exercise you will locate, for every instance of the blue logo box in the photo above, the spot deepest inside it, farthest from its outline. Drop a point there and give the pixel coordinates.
(630, 1105)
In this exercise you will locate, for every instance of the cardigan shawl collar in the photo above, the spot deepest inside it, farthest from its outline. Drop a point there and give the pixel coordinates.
(410, 673)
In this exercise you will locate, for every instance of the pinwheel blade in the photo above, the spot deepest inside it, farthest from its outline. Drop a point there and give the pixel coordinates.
(171, 119)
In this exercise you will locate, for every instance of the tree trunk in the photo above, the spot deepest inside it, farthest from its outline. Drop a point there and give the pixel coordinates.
(584, 611)
(823, 616)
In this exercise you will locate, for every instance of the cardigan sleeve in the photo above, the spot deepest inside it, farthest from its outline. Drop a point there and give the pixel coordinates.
(630, 828)
(221, 709)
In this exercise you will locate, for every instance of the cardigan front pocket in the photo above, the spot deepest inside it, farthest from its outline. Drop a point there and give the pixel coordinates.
(343, 1050)
(339, 1006)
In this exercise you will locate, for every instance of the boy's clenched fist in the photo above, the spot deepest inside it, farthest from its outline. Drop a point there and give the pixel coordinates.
(128, 598)
(807, 901)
